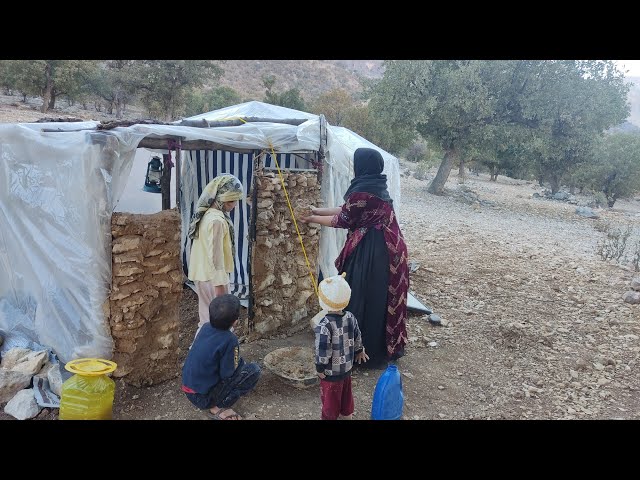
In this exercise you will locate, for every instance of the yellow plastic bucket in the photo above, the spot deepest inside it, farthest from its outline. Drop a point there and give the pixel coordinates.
(88, 395)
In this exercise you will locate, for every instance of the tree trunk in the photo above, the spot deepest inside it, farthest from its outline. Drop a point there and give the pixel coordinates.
(461, 172)
(171, 111)
(437, 184)
(540, 181)
(48, 86)
(119, 109)
(52, 100)
(494, 173)
(165, 181)
(572, 189)
(554, 180)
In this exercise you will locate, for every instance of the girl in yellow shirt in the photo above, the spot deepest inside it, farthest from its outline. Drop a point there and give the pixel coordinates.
(211, 228)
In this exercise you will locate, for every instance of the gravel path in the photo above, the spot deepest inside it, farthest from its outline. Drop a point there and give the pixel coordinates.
(536, 323)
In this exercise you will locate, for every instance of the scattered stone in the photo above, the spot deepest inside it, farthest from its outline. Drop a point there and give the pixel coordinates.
(24, 360)
(435, 319)
(23, 405)
(632, 297)
(586, 212)
(11, 382)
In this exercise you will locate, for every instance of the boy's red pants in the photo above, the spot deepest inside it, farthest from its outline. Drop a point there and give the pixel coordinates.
(336, 398)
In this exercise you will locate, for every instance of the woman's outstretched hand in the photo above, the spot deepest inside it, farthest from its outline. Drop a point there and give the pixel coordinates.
(307, 218)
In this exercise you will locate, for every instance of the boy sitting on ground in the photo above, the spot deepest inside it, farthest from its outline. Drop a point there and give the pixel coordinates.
(214, 376)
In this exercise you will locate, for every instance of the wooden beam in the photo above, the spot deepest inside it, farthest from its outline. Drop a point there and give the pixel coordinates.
(165, 181)
(202, 123)
(161, 144)
(178, 168)
(274, 169)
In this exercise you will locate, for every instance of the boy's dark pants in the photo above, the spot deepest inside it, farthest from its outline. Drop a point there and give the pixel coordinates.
(229, 390)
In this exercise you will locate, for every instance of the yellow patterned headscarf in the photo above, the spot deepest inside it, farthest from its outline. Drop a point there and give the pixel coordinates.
(223, 188)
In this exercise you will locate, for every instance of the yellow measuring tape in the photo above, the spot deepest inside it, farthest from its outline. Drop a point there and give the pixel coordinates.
(286, 195)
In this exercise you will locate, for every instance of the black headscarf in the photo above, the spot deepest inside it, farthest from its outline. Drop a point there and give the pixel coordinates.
(367, 167)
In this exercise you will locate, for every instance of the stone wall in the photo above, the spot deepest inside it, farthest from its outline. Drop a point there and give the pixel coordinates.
(146, 288)
(282, 287)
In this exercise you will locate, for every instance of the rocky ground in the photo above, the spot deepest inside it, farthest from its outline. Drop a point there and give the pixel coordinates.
(534, 325)
(14, 110)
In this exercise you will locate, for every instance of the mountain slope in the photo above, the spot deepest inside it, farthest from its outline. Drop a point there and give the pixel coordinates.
(311, 77)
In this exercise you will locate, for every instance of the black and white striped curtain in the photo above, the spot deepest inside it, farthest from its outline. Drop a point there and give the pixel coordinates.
(288, 160)
(202, 166)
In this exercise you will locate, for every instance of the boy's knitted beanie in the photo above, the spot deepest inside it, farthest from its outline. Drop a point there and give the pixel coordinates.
(334, 293)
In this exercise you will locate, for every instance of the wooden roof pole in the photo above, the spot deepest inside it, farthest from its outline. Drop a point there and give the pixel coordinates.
(178, 168)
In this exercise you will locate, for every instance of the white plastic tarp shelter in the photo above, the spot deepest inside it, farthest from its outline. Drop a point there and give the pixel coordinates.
(60, 183)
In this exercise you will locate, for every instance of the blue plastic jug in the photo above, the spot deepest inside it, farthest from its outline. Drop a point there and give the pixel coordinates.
(388, 399)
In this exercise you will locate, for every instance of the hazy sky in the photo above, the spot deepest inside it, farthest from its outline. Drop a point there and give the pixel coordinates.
(632, 65)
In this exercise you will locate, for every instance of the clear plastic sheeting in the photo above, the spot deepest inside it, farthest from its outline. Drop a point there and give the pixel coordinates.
(56, 198)
(248, 136)
(253, 109)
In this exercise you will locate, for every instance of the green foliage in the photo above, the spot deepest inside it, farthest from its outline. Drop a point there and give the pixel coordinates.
(600, 200)
(505, 111)
(367, 124)
(116, 83)
(198, 102)
(292, 99)
(465, 107)
(289, 98)
(576, 103)
(73, 78)
(334, 105)
(7, 76)
(165, 84)
(25, 76)
(51, 79)
(444, 100)
(613, 168)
